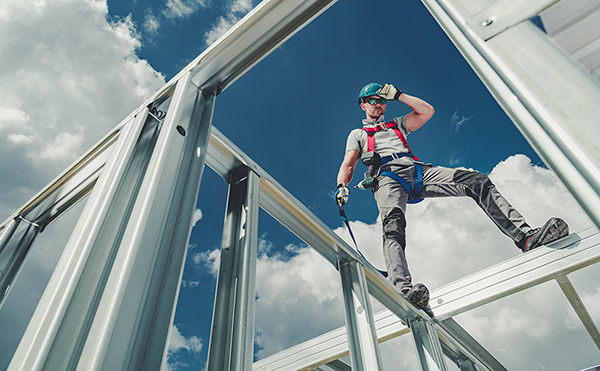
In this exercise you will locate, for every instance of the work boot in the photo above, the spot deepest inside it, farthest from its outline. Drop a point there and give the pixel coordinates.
(418, 295)
(553, 230)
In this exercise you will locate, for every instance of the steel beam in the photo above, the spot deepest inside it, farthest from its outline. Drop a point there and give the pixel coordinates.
(336, 365)
(15, 244)
(232, 337)
(362, 340)
(580, 309)
(134, 313)
(254, 37)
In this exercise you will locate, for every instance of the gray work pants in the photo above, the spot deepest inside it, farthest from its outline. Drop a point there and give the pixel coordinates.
(391, 198)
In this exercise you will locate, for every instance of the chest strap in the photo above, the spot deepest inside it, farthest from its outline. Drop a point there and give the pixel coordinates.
(384, 127)
(414, 195)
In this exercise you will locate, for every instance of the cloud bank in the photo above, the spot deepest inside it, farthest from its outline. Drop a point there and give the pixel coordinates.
(68, 77)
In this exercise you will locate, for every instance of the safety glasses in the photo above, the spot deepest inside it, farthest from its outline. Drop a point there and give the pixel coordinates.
(374, 101)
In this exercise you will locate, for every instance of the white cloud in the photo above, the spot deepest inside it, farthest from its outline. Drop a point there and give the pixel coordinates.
(209, 259)
(241, 6)
(21, 138)
(189, 284)
(177, 9)
(151, 23)
(177, 343)
(11, 117)
(297, 298)
(182, 8)
(220, 28)
(68, 76)
(236, 11)
(458, 120)
(197, 216)
(65, 146)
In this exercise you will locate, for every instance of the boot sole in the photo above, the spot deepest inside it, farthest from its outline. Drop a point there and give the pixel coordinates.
(418, 295)
(554, 230)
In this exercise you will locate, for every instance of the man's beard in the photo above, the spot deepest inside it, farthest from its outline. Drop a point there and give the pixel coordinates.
(375, 116)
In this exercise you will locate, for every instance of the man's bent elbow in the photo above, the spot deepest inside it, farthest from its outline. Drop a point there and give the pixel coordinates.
(430, 112)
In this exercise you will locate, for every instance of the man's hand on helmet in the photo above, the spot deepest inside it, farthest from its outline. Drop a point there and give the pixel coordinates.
(341, 194)
(389, 92)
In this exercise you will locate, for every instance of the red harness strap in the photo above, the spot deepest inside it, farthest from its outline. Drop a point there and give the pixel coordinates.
(389, 125)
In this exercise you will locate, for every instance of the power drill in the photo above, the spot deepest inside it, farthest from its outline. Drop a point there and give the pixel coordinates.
(372, 160)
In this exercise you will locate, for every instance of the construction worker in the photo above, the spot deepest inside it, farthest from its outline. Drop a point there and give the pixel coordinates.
(396, 178)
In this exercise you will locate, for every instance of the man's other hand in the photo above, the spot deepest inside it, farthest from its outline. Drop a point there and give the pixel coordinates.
(389, 92)
(341, 194)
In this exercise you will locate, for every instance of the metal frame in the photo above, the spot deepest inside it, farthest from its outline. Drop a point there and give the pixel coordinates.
(143, 178)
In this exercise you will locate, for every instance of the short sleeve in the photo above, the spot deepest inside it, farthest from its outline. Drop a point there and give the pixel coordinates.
(355, 141)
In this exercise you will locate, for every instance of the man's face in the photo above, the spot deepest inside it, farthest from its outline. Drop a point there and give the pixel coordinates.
(374, 106)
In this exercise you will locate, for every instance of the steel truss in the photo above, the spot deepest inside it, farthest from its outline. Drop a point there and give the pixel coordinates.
(143, 178)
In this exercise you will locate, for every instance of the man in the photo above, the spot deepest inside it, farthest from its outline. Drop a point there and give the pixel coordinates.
(397, 177)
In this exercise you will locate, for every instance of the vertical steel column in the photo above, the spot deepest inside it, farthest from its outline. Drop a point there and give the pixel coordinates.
(231, 344)
(362, 339)
(110, 302)
(429, 349)
(134, 314)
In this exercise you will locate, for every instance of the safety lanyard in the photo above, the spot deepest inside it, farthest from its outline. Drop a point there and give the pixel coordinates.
(345, 219)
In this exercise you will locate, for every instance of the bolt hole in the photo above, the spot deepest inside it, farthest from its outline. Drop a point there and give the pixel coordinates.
(181, 130)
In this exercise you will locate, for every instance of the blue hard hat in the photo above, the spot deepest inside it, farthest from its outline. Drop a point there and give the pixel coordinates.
(368, 90)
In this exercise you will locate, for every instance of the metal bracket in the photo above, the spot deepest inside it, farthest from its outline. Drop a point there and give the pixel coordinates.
(503, 14)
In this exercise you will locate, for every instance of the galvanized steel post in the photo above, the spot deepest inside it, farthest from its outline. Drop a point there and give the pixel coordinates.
(362, 339)
(428, 345)
(231, 344)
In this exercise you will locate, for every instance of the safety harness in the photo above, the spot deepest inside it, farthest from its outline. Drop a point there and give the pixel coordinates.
(414, 195)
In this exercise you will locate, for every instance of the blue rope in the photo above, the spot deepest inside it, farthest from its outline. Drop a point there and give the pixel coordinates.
(345, 219)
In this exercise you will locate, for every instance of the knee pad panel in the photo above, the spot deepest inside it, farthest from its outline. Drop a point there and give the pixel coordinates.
(394, 226)
(477, 185)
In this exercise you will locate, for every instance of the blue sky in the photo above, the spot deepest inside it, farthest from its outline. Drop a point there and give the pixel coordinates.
(291, 113)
